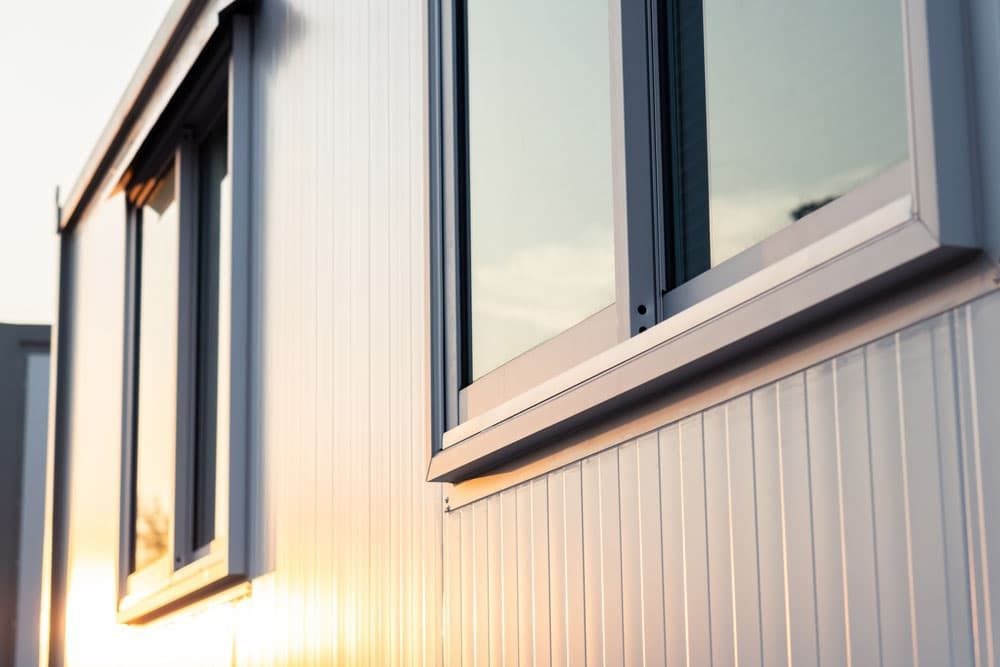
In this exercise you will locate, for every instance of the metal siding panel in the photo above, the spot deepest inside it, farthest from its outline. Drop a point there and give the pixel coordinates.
(978, 570)
(825, 473)
(611, 559)
(982, 323)
(743, 510)
(641, 566)
(399, 600)
(892, 544)
(576, 611)
(650, 550)
(468, 569)
(495, 584)
(558, 573)
(296, 510)
(800, 582)
(771, 553)
(541, 625)
(671, 491)
(922, 476)
(480, 634)
(698, 621)
(308, 417)
(861, 578)
(453, 590)
(592, 592)
(326, 370)
(360, 269)
(631, 562)
(91, 435)
(948, 433)
(719, 529)
(510, 569)
(525, 612)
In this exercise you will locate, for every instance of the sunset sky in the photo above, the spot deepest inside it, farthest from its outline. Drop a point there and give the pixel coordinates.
(63, 66)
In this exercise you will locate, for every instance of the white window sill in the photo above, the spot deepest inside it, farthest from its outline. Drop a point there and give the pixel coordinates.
(205, 577)
(842, 267)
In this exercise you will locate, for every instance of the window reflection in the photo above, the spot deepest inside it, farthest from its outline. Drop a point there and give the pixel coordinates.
(540, 232)
(802, 102)
(157, 373)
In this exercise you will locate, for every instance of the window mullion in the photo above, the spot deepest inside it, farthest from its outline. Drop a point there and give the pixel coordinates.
(636, 186)
(187, 165)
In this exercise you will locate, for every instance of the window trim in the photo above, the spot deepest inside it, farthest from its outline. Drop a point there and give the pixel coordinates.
(866, 253)
(635, 251)
(194, 574)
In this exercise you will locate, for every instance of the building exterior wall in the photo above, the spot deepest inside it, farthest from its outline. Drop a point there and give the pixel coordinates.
(836, 516)
(345, 534)
(839, 510)
(20, 445)
(32, 542)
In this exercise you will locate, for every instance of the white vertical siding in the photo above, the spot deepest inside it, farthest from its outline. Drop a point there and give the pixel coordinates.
(844, 515)
(346, 536)
(817, 520)
(340, 166)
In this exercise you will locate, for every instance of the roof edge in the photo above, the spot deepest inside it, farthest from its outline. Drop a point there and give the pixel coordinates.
(171, 34)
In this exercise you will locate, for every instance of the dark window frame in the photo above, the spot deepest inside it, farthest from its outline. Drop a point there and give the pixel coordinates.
(637, 214)
(214, 97)
(893, 224)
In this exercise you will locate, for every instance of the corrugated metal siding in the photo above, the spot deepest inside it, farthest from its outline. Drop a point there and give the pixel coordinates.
(346, 535)
(343, 412)
(842, 515)
(340, 198)
(817, 520)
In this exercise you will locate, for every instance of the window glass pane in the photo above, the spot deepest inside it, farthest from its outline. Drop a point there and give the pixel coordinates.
(157, 374)
(800, 102)
(540, 230)
(212, 173)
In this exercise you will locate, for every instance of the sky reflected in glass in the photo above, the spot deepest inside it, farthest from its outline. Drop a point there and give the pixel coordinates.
(541, 228)
(157, 405)
(805, 100)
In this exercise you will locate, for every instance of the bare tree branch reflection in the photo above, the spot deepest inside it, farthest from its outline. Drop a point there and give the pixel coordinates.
(808, 207)
(151, 532)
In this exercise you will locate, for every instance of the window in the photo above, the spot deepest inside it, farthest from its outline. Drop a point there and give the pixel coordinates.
(159, 341)
(158, 233)
(606, 168)
(184, 450)
(539, 222)
(772, 115)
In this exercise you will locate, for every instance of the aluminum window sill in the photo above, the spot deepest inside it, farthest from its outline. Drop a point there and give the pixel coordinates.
(847, 265)
(206, 577)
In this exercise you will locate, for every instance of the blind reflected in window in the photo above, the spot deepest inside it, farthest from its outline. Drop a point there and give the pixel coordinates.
(540, 213)
(156, 415)
(784, 107)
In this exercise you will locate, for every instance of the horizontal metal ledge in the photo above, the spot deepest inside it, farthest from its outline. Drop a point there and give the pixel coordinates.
(202, 579)
(848, 266)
